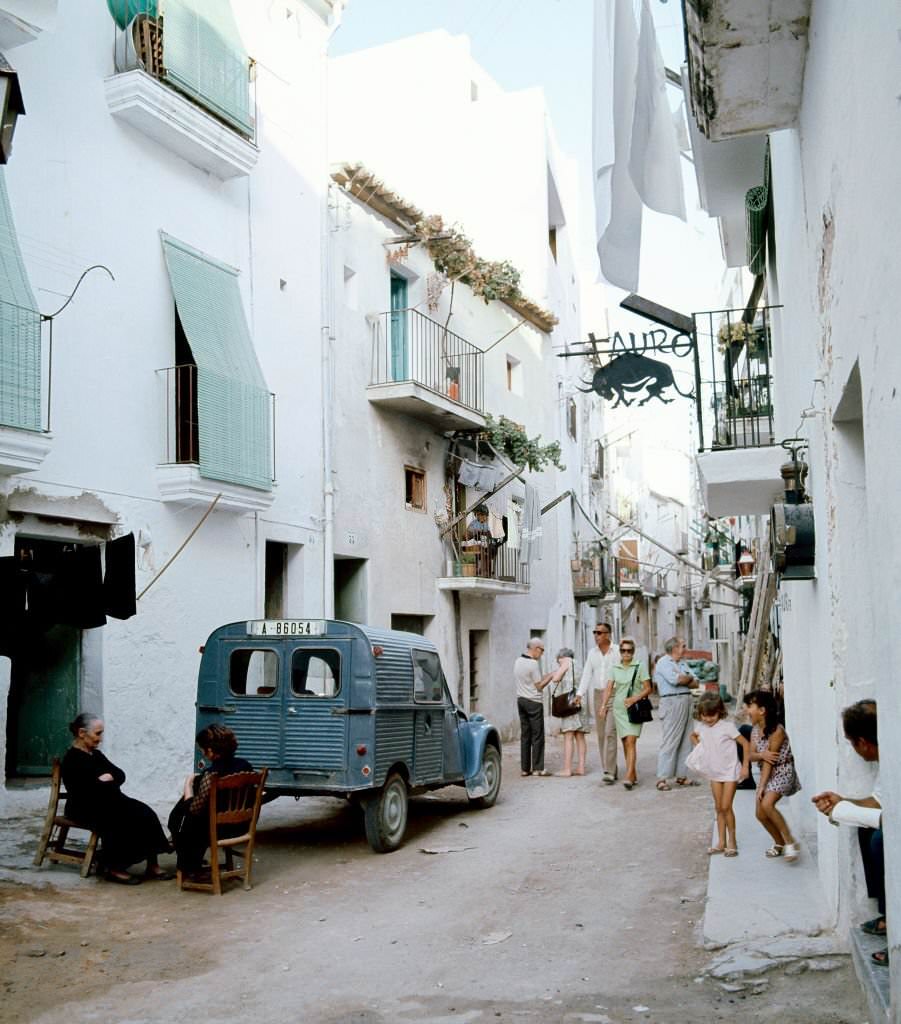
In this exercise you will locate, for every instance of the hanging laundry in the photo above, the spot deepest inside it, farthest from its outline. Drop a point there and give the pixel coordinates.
(495, 525)
(514, 520)
(119, 577)
(79, 588)
(530, 549)
(12, 605)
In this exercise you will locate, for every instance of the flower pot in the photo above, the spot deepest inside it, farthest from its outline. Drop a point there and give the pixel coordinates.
(468, 568)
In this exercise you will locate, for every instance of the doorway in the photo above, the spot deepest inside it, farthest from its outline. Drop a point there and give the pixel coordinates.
(399, 353)
(478, 666)
(45, 683)
(351, 590)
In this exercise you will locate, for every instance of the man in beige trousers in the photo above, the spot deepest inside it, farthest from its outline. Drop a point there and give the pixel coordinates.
(595, 676)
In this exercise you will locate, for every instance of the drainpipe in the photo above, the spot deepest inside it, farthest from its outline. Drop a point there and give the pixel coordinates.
(327, 336)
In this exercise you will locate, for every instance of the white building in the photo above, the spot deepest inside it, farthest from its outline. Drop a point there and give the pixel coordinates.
(194, 170)
(819, 84)
(392, 564)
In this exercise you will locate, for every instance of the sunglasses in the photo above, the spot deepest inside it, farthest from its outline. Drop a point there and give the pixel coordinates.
(627, 650)
(601, 632)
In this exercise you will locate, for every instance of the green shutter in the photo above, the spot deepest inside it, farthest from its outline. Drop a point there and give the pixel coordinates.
(20, 330)
(203, 56)
(755, 225)
(123, 11)
(233, 402)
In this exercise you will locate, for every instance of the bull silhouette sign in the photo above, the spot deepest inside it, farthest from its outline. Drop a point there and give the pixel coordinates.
(630, 373)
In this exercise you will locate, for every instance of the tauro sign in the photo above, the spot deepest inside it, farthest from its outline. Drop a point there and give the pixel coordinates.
(630, 372)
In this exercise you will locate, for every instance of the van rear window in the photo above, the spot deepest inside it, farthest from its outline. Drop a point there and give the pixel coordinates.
(253, 673)
(428, 679)
(315, 673)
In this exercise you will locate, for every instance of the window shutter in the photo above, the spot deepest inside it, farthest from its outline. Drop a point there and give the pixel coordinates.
(233, 402)
(20, 330)
(203, 56)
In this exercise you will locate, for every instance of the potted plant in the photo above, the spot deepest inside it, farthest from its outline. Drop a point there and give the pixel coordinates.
(468, 563)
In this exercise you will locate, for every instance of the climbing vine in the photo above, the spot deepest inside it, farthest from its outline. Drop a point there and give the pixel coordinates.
(511, 440)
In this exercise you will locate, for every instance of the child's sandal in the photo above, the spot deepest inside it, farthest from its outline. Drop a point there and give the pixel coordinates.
(730, 851)
(774, 851)
(711, 850)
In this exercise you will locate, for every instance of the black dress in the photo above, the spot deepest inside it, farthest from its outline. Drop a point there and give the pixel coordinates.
(129, 830)
(189, 820)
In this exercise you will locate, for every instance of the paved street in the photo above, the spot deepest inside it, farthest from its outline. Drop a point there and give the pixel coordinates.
(568, 901)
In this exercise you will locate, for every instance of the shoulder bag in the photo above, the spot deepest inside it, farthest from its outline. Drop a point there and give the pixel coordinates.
(562, 705)
(640, 711)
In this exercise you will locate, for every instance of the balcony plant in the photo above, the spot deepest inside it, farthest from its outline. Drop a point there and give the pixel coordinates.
(468, 563)
(511, 440)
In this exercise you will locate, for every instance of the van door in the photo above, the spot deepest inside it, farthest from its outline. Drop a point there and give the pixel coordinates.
(251, 686)
(428, 737)
(316, 698)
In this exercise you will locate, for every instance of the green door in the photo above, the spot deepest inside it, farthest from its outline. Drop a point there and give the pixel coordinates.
(399, 354)
(43, 700)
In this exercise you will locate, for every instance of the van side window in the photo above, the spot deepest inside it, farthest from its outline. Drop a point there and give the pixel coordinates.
(253, 673)
(315, 673)
(428, 679)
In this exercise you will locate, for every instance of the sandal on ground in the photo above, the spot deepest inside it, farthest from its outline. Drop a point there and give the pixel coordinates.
(562, 775)
(160, 875)
(122, 877)
(775, 851)
(525, 775)
(663, 786)
(543, 773)
(712, 850)
(685, 783)
(578, 771)
(872, 927)
(609, 779)
(880, 957)
(730, 851)
(791, 851)
(628, 785)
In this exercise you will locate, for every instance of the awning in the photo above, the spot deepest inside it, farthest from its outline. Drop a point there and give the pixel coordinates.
(233, 408)
(20, 330)
(203, 56)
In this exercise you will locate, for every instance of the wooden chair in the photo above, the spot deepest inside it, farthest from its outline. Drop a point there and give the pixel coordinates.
(234, 801)
(56, 831)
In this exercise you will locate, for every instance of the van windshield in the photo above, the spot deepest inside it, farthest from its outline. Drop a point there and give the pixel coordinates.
(315, 673)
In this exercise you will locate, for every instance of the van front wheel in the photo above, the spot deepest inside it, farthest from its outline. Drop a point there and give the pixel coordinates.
(385, 816)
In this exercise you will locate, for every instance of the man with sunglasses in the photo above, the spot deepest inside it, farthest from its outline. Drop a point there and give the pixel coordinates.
(592, 685)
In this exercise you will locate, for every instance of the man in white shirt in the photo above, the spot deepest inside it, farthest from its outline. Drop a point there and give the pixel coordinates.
(530, 704)
(595, 676)
(860, 726)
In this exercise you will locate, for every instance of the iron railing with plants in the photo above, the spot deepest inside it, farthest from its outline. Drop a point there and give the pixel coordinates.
(408, 346)
(734, 384)
(488, 560)
(587, 568)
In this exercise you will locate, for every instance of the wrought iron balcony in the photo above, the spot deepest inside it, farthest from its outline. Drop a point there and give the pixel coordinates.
(486, 568)
(735, 397)
(587, 567)
(422, 369)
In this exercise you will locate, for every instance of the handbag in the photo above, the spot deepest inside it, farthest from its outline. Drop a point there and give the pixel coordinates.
(562, 705)
(640, 711)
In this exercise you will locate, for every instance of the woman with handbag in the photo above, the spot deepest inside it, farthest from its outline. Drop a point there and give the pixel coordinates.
(574, 721)
(630, 684)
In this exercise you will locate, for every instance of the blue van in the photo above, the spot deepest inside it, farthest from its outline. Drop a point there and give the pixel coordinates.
(333, 708)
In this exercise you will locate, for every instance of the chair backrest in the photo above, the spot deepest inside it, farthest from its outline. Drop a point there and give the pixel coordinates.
(56, 785)
(235, 799)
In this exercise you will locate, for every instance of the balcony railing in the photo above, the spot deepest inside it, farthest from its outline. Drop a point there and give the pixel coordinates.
(408, 347)
(628, 580)
(587, 567)
(199, 62)
(181, 444)
(735, 393)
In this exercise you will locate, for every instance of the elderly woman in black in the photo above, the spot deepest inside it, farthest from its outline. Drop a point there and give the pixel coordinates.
(129, 830)
(189, 820)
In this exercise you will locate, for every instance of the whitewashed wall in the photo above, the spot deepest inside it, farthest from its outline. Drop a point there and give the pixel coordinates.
(837, 219)
(86, 189)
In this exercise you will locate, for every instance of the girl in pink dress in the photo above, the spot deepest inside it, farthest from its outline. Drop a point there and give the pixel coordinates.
(716, 758)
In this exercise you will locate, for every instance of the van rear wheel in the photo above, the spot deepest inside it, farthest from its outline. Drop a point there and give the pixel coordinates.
(385, 815)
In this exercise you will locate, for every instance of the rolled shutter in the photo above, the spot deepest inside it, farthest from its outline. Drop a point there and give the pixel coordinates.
(204, 57)
(20, 330)
(233, 402)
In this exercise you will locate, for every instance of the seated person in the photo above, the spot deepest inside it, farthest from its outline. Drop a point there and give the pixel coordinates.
(478, 539)
(189, 820)
(478, 528)
(129, 830)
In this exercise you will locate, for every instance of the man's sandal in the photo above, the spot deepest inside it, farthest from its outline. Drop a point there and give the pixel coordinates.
(663, 786)
(774, 851)
(872, 927)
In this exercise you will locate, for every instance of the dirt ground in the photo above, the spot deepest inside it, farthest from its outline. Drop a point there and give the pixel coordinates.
(568, 901)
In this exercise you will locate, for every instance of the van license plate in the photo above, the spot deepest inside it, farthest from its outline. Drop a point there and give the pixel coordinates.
(286, 627)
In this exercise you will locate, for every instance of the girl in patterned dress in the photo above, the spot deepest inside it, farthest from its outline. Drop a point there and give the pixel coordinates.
(770, 746)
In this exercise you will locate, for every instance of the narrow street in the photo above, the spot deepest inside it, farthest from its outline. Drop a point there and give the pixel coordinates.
(568, 901)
